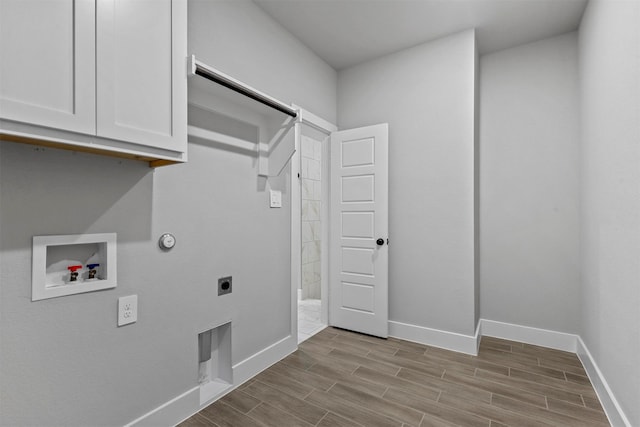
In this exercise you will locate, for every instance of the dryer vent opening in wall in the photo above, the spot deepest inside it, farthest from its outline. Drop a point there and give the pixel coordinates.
(215, 374)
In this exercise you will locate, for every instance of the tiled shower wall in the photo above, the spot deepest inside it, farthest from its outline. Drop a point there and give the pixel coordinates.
(311, 208)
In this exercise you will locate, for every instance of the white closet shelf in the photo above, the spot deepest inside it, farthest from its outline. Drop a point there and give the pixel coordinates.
(222, 108)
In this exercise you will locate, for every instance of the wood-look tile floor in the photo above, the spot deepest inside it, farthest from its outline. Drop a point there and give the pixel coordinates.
(340, 378)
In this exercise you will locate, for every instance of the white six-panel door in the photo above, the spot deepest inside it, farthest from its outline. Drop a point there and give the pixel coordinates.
(359, 230)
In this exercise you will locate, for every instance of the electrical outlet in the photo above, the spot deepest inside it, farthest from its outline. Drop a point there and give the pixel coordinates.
(127, 310)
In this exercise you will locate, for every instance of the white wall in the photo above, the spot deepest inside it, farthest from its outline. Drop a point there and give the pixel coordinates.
(529, 185)
(239, 39)
(426, 94)
(610, 190)
(64, 361)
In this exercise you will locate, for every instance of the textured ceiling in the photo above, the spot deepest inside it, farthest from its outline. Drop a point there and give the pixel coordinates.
(348, 32)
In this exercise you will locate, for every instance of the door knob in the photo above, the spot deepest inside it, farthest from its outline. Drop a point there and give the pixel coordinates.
(380, 242)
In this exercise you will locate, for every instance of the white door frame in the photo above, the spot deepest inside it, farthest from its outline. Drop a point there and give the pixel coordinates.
(310, 119)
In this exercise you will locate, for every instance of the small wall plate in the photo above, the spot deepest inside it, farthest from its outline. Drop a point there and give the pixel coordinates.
(225, 285)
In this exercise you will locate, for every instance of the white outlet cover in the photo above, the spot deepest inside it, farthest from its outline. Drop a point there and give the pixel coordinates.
(275, 198)
(127, 310)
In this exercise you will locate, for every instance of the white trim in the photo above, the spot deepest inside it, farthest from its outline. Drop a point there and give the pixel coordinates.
(296, 231)
(565, 342)
(172, 412)
(253, 365)
(318, 123)
(526, 334)
(434, 337)
(315, 121)
(184, 406)
(609, 403)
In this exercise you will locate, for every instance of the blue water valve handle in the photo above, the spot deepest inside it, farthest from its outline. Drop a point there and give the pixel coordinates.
(92, 271)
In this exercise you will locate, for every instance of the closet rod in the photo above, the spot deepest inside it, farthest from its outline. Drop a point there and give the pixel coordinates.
(210, 73)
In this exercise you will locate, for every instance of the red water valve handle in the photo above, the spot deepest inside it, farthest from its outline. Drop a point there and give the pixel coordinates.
(73, 268)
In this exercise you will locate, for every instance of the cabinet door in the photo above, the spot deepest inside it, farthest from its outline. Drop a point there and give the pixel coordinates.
(141, 72)
(47, 63)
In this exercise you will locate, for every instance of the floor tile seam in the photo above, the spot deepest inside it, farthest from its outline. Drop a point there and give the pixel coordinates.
(369, 344)
(323, 417)
(391, 365)
(281, 388)
(402, 387)
(286, 394)
(586, 409)
(538, 392)
(451, 363)
(471, 362)
(209, 420)
(381, 413)
(589, 422)
(359, 407)
(283, 410)
(576, 382)
(516, 390)
(239, 409)
(435, 378)
(553, 413)
(534, 418)
(244, 414)
(579, 388)
(342, 416)
(205, 416)
(458, 409)
(553, 361)
(585, 419)
(489, 347)
(551, 354)
(491, 406)
(384, 363)
(509, 375)
(515, 364)
(544, 375)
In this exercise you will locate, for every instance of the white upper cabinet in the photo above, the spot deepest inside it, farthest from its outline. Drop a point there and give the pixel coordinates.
(47, 63)
(105, 76)
(141, 67)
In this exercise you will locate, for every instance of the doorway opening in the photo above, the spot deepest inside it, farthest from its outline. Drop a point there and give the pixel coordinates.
(313, 221)
(310, 225)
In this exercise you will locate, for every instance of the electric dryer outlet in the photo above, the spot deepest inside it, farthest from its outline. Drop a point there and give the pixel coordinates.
(225, 285)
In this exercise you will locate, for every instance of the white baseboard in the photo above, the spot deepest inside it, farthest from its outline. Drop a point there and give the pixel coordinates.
(253, 365)
(434, 337)
(607, 399)
(529, 335)
(182, 407)
(171, 412)
(566, 342)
